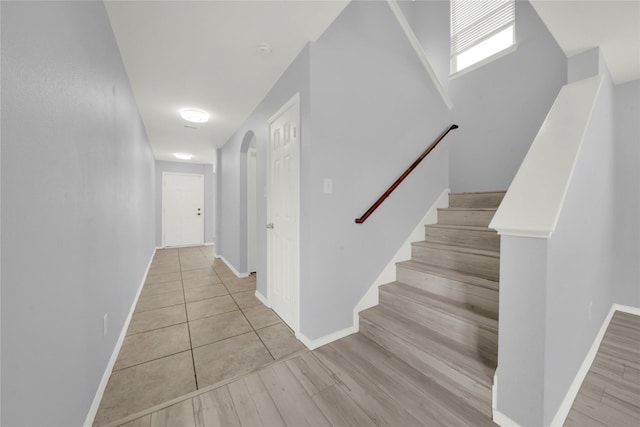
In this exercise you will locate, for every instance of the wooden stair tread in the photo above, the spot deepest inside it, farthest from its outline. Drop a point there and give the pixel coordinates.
(448, 351)
(457, 248)
(465, 193)
(449, 273)
(461, 227)
(487, 199)
(468, 209)
(444, 305)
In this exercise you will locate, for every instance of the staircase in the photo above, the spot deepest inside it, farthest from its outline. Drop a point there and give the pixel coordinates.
(441, 315)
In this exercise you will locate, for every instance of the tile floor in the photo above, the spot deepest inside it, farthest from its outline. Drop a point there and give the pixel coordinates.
(195, 324)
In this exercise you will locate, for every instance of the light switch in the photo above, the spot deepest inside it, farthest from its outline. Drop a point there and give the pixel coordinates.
(328, 186)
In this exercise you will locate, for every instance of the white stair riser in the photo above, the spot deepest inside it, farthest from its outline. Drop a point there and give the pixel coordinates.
(463, 331)
(476, 394)
(477, 296)
(463, 217)
(475, 200)
(489, 240)
(480, 265)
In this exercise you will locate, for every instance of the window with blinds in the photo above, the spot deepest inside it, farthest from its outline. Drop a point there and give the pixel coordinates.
(480, 29)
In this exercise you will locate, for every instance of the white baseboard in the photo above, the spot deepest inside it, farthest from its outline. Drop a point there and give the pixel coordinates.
(319, 342)
(388, 274)
(567, 402)
(232, 268)
(263, 299)
(627, 309)
(93, 410)
(563, 411)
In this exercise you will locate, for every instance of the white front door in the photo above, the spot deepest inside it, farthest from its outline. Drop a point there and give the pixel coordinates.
(283, 206)
(182, 209)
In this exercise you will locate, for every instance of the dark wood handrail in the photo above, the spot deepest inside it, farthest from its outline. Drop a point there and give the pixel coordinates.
(378, 202)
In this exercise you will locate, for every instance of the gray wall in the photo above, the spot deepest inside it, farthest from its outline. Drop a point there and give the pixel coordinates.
(230, 171)
(374, 110)
(522, 332)
(499, 106)
(209, 195)
(368, 98)
(627, 195)
(580, 257)
(77, 199)
(556, 293)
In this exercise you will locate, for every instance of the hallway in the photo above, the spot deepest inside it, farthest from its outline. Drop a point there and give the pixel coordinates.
(195, 324)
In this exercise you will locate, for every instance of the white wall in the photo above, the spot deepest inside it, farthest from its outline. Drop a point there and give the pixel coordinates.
(209, 195)
(77, 207)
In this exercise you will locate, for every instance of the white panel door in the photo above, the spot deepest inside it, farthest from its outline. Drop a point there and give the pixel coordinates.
(182, 209)
(283, 277)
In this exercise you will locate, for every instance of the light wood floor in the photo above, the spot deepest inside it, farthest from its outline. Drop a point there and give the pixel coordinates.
(351, 382)
(355, 382)
(610, 393)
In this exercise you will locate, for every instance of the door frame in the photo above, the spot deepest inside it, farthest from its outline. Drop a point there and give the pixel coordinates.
(164, 175)
(252, 209)
(292, 102)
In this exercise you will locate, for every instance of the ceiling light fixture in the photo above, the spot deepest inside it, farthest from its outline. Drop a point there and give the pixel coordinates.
(194, 115)
(183, 156)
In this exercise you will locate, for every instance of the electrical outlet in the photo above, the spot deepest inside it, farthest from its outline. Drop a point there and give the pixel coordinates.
(105, 328)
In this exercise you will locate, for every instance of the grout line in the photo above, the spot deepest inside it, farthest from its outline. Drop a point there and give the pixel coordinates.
(224, 339)
(151, 360)
(158, 328)
(255, 331)
(193, 361)
(196, 393)
(198, 390)
(158, 308)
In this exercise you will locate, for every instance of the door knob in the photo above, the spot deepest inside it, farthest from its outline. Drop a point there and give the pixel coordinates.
(270, 225)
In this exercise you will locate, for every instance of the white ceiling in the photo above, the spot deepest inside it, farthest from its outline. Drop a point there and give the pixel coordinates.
(579, 25)
(204, 54)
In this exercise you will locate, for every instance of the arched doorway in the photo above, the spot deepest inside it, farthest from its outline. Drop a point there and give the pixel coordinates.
(248, 204)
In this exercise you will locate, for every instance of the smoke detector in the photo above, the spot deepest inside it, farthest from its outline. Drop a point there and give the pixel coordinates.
(264, 48)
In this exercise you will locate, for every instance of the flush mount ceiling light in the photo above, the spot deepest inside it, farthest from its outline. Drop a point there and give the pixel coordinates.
(194, 115)
(183, 156)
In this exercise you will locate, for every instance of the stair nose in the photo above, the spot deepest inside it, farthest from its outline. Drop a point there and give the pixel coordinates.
(476, 237)
(477, 262)
(476, 217)
(453, 285)
(484, 199)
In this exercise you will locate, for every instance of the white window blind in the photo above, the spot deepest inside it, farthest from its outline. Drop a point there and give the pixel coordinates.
(479, 29)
